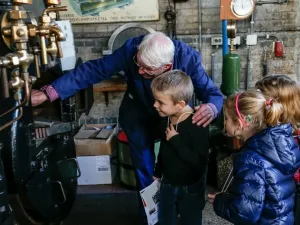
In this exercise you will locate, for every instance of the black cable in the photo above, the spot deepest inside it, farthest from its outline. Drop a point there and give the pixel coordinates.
(174, 25)
(169, 3)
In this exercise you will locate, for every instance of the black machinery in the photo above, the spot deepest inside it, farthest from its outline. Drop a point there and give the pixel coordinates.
(38, 168)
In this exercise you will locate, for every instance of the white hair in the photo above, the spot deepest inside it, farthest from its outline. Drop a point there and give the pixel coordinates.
(156, 50)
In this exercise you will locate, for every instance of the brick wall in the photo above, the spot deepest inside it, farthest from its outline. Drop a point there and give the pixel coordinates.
(280, 20)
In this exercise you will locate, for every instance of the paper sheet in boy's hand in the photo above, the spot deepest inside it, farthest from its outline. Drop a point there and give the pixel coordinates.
(150, 198)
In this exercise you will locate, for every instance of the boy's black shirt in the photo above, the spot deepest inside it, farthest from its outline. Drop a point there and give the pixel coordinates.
(183, 159)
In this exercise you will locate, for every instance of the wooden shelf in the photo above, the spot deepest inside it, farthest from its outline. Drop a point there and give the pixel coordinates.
(116, 84)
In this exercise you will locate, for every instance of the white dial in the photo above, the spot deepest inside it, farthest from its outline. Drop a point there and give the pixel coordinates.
(242, 8)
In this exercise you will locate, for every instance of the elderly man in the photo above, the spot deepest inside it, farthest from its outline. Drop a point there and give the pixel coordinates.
(141, 58)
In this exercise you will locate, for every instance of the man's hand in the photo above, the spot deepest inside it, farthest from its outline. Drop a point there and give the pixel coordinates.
(37, 97)
(204, 115)
(170, 132)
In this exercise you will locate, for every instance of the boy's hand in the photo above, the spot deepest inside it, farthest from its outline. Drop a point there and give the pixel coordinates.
(156, 178)
(170, 132)
(211, 197)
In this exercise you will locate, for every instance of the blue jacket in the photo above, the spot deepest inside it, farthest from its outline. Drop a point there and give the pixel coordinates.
(94, 71)
(263, 188)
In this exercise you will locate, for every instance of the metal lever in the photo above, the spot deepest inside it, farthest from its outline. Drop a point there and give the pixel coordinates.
(37, 62)
(62, 191)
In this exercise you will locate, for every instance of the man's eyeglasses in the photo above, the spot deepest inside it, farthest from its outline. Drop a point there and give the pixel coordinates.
(142, 67)
(135, 61)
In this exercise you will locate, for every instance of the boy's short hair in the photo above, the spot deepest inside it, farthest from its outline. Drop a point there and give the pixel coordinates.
(176, 84)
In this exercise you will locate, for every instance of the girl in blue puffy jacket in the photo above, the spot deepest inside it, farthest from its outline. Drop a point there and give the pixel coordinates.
(263, 188)
(287, 92)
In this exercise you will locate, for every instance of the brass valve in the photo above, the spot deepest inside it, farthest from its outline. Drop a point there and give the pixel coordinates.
(28, 2)
(46, 30)
(16, 82)
(15, 34)
(53, 2)
(53, 12)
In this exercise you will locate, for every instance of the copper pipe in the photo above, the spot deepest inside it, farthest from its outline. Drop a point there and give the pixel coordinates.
(44, 51)
(22, 2)
(12, 109)
(27, 92)
(5, 82)
(14, 120)
(36, 61)
(26, 100)
(59, 50)
(53, 2)
(37, 68)
(58, 33)
(55, 9)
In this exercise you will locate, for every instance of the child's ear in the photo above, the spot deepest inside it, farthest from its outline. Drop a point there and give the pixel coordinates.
(181, 104)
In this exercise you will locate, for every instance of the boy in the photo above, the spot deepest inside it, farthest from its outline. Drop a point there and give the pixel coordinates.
(183, 155)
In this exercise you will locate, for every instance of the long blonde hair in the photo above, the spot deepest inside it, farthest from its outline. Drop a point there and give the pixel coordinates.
(252, 107)
(286, 91)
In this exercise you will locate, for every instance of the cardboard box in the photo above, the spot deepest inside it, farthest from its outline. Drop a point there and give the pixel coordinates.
(87, 143)
(96, 170)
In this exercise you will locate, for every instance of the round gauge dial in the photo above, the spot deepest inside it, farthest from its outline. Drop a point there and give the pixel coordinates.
(242, 8)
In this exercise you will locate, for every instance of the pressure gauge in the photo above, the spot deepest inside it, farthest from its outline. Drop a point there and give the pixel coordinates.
(242, 8)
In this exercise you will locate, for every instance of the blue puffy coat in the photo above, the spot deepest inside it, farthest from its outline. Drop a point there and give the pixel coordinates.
(263, 188)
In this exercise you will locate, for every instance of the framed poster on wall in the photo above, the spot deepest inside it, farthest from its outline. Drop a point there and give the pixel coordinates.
(105, 11)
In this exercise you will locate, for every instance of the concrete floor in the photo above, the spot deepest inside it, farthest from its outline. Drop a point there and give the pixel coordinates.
(115, 205)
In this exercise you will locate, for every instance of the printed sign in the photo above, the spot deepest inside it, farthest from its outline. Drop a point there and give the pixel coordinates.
(104, 11)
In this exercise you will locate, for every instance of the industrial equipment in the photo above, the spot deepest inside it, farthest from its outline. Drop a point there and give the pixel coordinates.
(236, 9)
(38, 168)
(231, 10)
(231, 65)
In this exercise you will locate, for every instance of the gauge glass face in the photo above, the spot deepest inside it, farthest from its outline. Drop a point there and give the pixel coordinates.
(242, 7)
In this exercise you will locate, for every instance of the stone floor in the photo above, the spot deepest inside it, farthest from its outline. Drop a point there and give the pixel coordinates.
(114, 205)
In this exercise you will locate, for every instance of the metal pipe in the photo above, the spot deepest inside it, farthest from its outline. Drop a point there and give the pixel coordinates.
(252, 24)
(199, 25)
(24, 102)
(5, 82)
(44, 50)
(224, 37)
(12, 121)
(249, 74)
(268, 37)
(258, 2)
(298, 68)
(213, 67)
(55, 9)
(58, 33)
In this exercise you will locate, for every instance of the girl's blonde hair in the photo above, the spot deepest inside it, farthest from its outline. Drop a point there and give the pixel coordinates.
(285, 91)
(252, 107)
